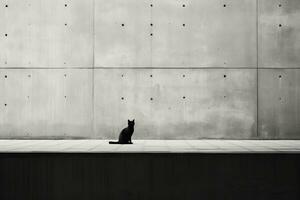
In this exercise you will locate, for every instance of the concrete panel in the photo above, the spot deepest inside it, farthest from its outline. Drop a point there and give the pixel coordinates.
(46, 103)
(171, 33)
(46, 33)
(279, 38)
(204, 33)
(279, 103)
(122, 33)
(176, 104)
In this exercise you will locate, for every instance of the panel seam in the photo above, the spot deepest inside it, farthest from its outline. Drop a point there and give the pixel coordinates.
(93, 72)
(257, 72)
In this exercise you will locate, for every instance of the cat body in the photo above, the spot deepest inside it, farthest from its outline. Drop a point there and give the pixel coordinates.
(126, 134)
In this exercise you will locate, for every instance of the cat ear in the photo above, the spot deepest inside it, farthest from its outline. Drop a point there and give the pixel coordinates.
(133, 120)
(128, 121)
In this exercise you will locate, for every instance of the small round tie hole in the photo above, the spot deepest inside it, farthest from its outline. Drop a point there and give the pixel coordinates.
(183, 5)
(225, 76)
(151, 99)
(5, 76)
(5, 104)
(6, 6)
(66, 5)
(224, 5)
(279, 5)
(151, 5)
(151, 34)
(5, 34)
(279, 76)
(183, 75)
(151, 75)
(122, 24)
(183, 24)
(280, 25)
(122, 98)
(183, 97)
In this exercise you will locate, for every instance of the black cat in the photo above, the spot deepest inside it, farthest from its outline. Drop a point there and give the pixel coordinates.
(125, 135)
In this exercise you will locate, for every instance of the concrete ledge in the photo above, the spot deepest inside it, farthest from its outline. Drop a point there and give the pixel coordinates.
(151, 146)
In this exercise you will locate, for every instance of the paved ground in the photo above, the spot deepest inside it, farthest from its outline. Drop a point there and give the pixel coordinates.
(185, 146)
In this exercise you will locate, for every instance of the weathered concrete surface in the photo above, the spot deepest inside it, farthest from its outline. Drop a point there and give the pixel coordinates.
(279, 103)
(216, 146)
(46, 33)
(185, 34)
(204, 33)
(279, 38)
(46, 103)
(117, 34)
(122, 46)
(186, 104)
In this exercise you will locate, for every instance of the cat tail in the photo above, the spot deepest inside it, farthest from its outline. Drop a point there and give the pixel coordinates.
(112, 142)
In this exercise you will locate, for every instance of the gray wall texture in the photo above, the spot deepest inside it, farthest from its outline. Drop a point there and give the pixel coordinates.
(183, 69)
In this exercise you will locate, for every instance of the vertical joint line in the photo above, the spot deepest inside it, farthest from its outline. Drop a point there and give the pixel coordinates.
(257, 63)
(93, 72)
(151, 31)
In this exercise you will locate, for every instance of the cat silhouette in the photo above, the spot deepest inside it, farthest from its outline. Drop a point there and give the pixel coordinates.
(126, 134)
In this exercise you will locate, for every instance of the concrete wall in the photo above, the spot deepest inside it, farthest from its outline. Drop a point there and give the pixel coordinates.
(279, 69)
(183, 69)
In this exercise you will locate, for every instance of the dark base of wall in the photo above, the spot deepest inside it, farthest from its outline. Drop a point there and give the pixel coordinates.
(149, 176)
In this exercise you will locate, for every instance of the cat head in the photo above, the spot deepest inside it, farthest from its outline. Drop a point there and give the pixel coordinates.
(131, 123)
